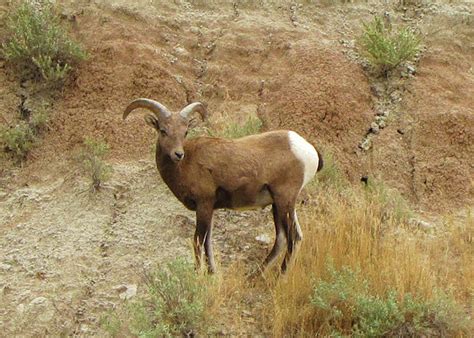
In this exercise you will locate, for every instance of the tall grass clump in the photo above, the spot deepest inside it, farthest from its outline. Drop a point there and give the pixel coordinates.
(250, 127)
(174, 304)
(92, 161)
(361, 271)
(37, 43)
(384, 48)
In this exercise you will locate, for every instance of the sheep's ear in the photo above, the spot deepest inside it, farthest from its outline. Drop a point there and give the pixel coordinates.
(152, 121)
(193, 122)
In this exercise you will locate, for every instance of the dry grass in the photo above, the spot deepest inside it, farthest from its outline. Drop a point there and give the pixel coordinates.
(356, 229)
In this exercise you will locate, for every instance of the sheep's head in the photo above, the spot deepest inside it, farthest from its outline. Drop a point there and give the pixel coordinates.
(172, 128)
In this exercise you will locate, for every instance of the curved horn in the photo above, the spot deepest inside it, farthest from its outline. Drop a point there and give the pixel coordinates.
(190, 108)
(157, 108)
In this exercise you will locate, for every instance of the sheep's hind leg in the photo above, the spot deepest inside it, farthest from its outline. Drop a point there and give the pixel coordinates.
(299, 232)
(279, 239)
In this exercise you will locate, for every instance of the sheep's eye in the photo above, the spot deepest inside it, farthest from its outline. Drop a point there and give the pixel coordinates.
(186, 133)
(163, 132)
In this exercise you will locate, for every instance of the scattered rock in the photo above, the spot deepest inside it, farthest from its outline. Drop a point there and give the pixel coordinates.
(264, 238)
(381, 124)
(422, 225)
(126, 291)
(38, 301)
(366, 144)
(400, 131)
(383, 113)
(377, 89)
(374, 128)
(395, 96)
(180, 51)
(246, 313)
(195, 30)
(43, 309)
(20, 308)
(6, 290)
(5, 267)
(411, 69)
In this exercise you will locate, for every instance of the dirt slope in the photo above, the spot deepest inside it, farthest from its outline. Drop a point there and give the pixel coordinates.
(285, 65)
(65, 251)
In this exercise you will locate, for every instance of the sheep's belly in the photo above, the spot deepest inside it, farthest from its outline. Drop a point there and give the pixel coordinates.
(261, 201)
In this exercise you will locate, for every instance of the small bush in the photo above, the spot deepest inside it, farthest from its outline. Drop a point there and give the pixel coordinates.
(92, 160)
(18, 140)
(39, 120)
(345, 304)
(386, 49)
(174, 304)
(38, 44)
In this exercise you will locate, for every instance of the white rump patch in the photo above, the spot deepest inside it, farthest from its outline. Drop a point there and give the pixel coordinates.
(306, 153)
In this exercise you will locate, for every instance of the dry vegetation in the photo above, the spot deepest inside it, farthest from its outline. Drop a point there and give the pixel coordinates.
(368, 265)
(363, 247)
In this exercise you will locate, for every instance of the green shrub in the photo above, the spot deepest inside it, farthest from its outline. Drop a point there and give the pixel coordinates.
(92, 161)
(174, 304)
(386, 49)
(18, 140)
(345, 303)
(38, 44)
(39, 120)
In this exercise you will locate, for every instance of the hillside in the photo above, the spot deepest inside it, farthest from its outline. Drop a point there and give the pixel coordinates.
(294, 66)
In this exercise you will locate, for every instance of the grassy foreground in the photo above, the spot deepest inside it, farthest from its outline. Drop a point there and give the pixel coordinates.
(363, 269)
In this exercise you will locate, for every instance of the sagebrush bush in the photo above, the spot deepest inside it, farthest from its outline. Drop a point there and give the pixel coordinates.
(93, 164)
(18, 140)
(345, 303)
(38, 44)
(385, 48)
(174, 304)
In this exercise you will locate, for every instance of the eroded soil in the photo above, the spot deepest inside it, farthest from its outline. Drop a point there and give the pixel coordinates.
(64, 250)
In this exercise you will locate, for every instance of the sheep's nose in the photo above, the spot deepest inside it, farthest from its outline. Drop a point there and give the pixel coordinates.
(179, 155)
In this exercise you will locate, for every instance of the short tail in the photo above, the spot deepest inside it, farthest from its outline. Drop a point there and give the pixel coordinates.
(320, 162)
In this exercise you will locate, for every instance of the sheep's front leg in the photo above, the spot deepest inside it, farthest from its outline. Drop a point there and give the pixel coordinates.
(203, 235)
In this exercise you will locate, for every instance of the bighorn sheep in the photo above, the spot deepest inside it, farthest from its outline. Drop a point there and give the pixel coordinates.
(208, 173)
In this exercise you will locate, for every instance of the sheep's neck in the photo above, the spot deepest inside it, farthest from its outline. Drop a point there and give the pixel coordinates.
(169, 172)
